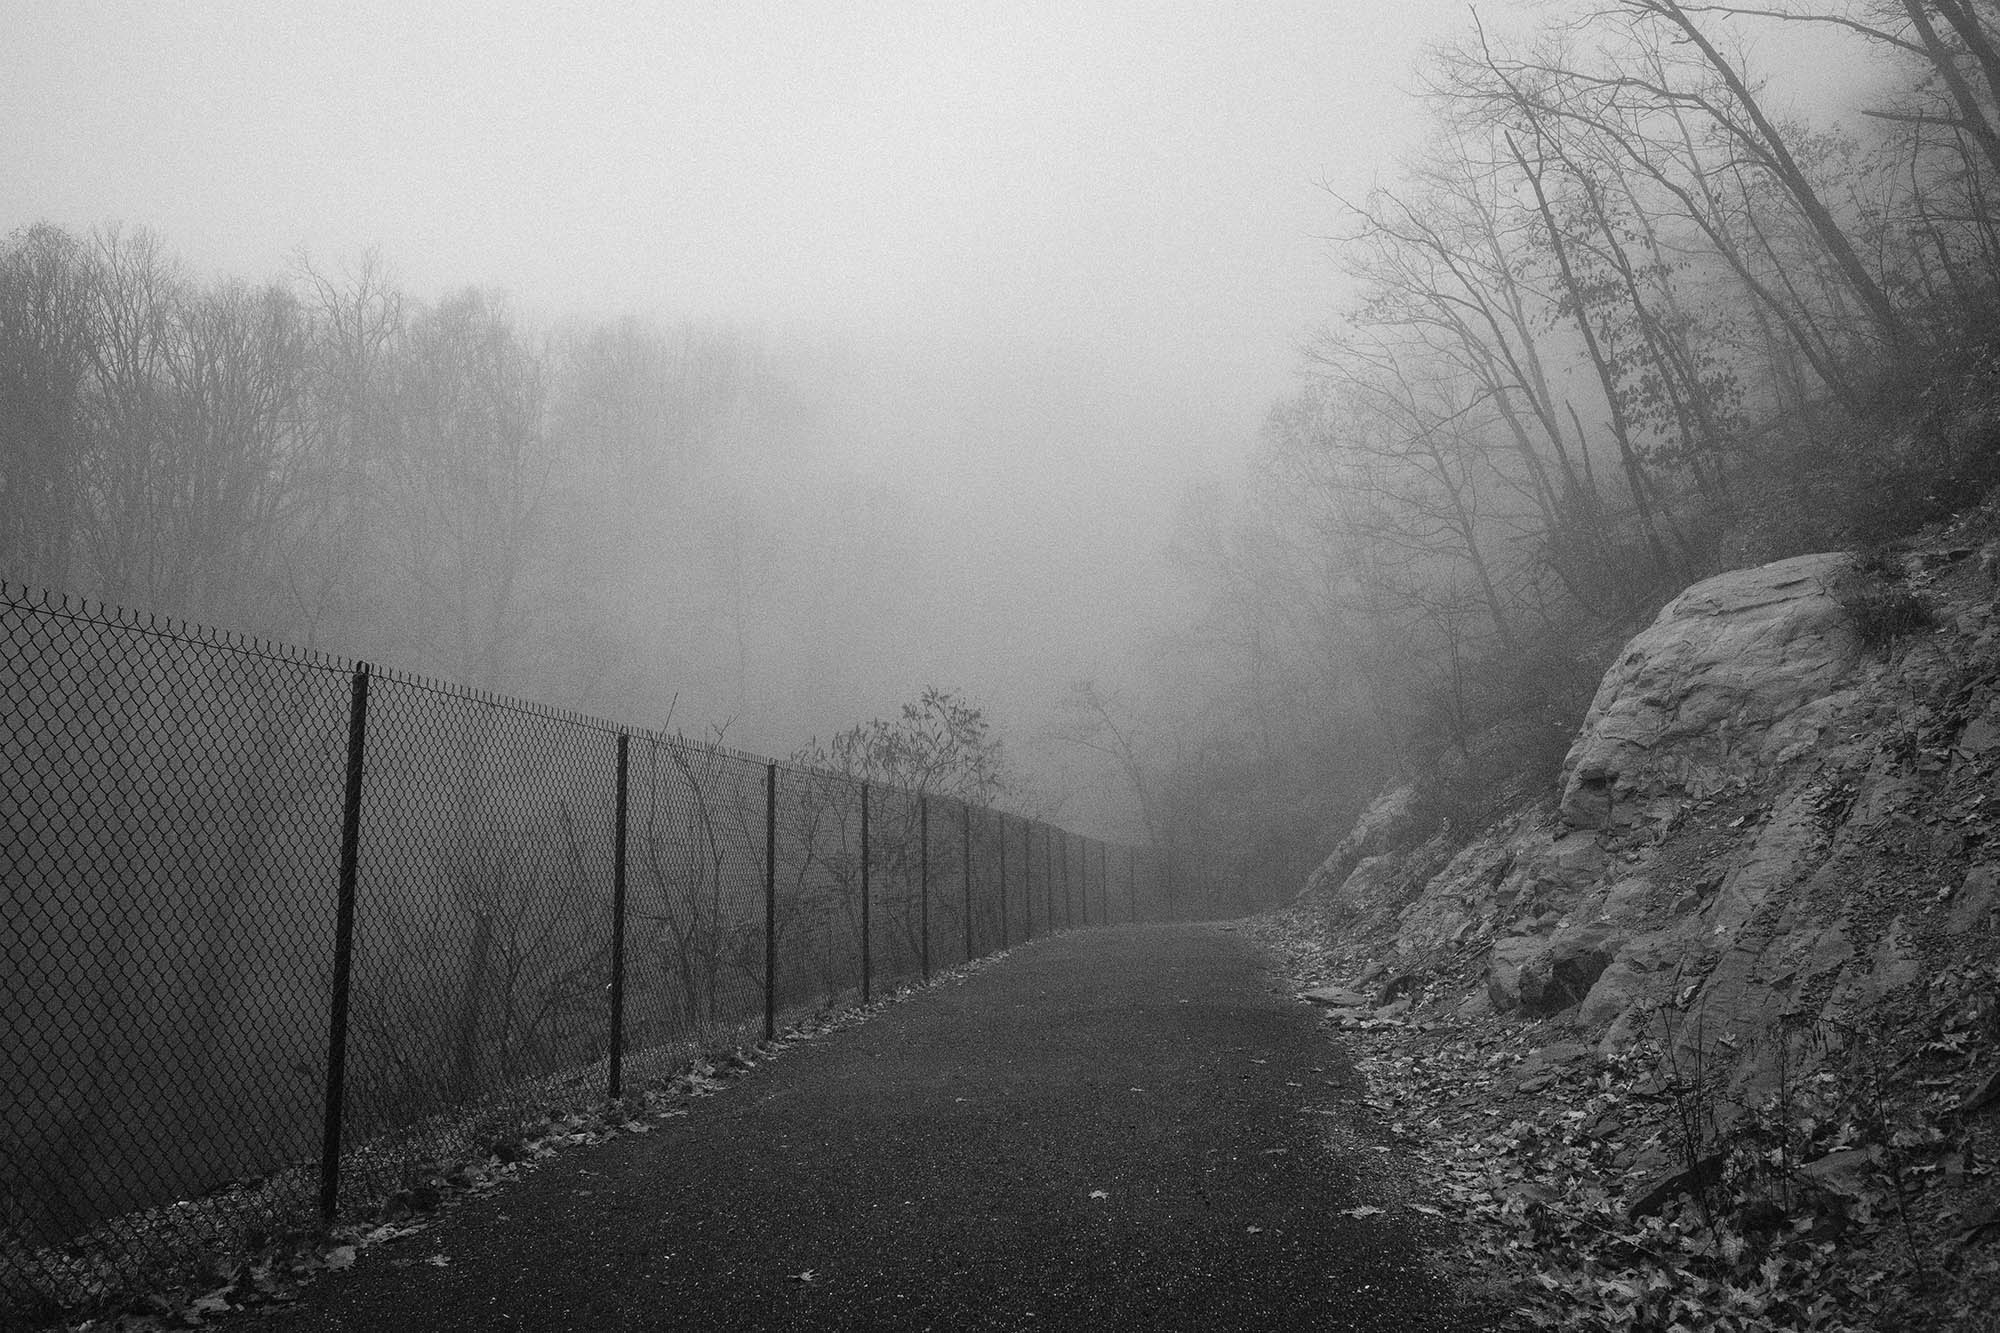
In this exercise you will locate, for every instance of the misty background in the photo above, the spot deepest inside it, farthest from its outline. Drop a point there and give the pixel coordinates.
(750, 369)
(1017, 274)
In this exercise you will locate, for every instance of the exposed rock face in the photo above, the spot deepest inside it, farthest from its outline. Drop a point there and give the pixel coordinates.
(1764, 835)
(1384, 826)
(1729, 680)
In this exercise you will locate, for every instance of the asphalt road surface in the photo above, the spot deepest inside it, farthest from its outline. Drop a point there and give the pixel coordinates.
(1125, 1128)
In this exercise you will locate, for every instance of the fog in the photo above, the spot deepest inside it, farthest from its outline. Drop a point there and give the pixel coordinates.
(1327, 383)
(1248, 416)
(1037, 266)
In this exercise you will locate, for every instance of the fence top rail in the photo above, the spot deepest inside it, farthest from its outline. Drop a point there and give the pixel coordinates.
(159, 625)
(500, 702)
(70, 606)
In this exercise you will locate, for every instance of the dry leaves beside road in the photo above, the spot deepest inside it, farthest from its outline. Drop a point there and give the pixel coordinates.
(1569, 1174)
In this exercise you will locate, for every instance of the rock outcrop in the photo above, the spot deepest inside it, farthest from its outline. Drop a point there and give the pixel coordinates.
(1386, 825)
(1763, 835)
(1738, 674)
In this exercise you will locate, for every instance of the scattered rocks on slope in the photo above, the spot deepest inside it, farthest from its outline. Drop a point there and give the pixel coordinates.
(1388, 824)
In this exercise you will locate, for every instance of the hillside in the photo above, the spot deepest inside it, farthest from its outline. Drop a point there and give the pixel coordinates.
(1710, 1028)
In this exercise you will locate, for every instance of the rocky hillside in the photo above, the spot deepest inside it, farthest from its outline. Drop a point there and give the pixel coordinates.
(1716, 1025)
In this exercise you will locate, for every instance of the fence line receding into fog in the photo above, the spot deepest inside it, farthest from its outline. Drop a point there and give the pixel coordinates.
(279, 929)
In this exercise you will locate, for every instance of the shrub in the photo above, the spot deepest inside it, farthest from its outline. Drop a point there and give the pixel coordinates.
(1878, 605)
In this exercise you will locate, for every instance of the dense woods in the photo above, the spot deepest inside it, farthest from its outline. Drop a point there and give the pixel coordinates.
(1628, 319)
(585, 514)
(1630, 316)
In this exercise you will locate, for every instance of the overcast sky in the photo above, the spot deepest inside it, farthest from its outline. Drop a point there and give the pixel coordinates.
(1130, 183)
(1071, 246)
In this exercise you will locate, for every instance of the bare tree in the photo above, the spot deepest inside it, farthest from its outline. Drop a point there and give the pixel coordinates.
(47, 285)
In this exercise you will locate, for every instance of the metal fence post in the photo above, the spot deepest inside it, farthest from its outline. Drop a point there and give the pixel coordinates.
(1083, 874)
(865, 978)
(770, 902)
(1028, 877)
(343, 951)
(1104, 879)
(1069, 906)
(1083, 877)
(924, 883)
(966, 810)
(615, 1084)
(1048, 876)
(1003, 879)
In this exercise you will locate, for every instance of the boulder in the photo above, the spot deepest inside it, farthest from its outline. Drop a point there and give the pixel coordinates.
(1542, 976)
(1504, 966)
(1392, 821)
(1567, 972)
(1633, 975)
(1720, 688)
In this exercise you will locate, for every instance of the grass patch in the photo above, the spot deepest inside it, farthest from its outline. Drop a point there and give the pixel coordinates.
(1881, 608)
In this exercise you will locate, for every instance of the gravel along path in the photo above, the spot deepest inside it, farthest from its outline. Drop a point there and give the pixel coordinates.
(1126, 1128)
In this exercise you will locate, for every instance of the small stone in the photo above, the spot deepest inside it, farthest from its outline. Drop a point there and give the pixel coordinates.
(1847, 1171)
(1338, 997)
(1653, 1198)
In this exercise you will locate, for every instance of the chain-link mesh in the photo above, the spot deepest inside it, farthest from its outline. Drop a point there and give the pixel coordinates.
(185, 1026)
(694, 941)
(482, 935)
(172, 804)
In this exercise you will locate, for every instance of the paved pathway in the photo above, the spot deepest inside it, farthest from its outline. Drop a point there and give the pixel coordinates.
(1111, 1129)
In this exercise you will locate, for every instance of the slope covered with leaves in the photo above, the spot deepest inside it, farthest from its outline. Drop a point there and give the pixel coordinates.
(1791, 1118)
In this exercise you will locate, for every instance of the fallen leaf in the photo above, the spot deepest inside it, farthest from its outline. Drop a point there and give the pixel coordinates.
(439, 1261)
(1253, 1230)
(389, 1231)
(1099, 1194)
(215, 1302)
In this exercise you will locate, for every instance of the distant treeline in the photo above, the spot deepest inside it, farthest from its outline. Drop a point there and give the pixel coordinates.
(578, 513)
(1626, 320)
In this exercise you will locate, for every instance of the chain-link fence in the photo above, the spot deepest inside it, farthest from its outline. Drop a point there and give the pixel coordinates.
(277, 928)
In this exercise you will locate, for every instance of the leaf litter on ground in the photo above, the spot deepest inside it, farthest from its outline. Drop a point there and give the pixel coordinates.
(274, 1274)
(1537, 1181)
